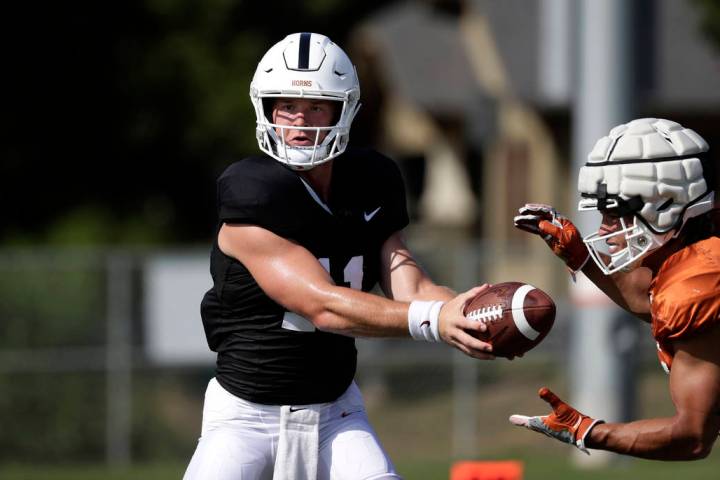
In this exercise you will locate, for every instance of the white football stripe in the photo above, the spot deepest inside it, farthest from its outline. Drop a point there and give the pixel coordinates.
(518, 312)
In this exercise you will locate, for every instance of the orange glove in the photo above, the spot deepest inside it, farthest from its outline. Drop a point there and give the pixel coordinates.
(564, 423)
(558, 232)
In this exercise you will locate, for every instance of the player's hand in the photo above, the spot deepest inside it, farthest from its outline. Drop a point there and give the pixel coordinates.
(564, 423)
(559, 233)
(456, 330)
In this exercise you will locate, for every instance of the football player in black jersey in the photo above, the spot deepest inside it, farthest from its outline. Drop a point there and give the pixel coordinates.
(305, 232)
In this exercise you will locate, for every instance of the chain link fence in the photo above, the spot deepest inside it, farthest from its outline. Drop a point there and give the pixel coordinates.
(78, 382)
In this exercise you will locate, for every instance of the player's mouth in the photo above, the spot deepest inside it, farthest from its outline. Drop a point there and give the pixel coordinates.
(301, 141)
(614, 246)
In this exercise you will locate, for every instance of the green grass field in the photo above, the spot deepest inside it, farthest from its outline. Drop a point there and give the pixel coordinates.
(414, 426)
(543, 467)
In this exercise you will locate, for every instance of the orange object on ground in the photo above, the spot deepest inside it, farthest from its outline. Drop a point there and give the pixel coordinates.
(478, 470)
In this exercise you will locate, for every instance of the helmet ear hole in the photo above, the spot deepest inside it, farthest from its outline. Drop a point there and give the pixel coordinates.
(268, 104)
(337, 112)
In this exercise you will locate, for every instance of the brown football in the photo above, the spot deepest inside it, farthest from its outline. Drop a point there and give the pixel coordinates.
(518, 317)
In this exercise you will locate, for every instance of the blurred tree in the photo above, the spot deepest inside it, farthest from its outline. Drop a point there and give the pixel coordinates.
(710, 23)
(120, 115)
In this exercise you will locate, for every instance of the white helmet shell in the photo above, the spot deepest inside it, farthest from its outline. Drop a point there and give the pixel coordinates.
(309, 66)
(652, 169)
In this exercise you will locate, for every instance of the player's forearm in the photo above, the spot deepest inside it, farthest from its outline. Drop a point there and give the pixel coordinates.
(656, 439)
(606, 283)
(431, 291)
(627, 290)
(359, 314)
(414, 284)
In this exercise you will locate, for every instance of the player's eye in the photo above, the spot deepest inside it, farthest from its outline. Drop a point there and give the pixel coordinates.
(286, 106)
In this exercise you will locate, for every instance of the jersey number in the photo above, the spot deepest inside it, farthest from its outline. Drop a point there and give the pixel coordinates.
(352, 273)
(352, 276)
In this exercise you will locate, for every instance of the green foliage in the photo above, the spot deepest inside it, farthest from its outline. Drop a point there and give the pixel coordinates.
(92, 225)
(167, 416)
(55, 417)
(710, 20)
(123, 106)
(50, 306)
(206, 64)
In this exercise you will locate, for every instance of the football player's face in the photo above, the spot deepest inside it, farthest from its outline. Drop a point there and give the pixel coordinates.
(611, 222)
(301, 112)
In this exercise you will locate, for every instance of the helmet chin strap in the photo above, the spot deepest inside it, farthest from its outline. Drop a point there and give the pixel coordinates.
(299, 157)
(303, 158)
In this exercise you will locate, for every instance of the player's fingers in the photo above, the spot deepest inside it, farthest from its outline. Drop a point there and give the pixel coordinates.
(519, 420)
(462, 348)
(465, 297)
(547, 395)
(547, 228)
(481, 356)
(537, 208)
(472, 343)
(528, 217)
(472, 353)
(529, 223)
(471, 325)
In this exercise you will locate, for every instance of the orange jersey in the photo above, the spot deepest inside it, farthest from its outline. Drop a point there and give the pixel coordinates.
(685, 295)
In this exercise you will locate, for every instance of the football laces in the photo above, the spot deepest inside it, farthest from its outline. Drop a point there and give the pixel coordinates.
(488, 314)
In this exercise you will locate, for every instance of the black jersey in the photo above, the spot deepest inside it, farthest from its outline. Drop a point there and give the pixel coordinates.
(265, 353)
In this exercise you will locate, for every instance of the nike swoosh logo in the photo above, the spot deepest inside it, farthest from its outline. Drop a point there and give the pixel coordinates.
(369, 216)
(345, 414)
(295, 409)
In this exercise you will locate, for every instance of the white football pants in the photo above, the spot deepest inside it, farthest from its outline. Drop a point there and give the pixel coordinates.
(239, 440)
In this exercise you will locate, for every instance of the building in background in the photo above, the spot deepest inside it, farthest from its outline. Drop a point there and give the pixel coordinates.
(474, 99)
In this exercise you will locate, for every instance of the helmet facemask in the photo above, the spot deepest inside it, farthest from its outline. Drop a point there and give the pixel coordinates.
(271, 136)
(638, 241)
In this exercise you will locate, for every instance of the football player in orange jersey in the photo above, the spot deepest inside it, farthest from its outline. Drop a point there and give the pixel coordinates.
(656, 254)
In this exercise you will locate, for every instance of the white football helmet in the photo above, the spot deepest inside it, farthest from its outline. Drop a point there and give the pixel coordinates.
(310, 66)
(653, 170)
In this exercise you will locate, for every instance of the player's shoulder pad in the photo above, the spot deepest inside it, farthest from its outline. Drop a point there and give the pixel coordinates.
(685, 298)
(371, 164)
(256, 175)
(258, 190)
(367, 156)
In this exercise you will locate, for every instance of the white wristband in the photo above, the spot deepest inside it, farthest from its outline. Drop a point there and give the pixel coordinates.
(423, 320)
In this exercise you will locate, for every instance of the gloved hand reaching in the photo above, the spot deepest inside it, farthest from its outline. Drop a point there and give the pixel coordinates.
(559, 233)
(564, 423)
